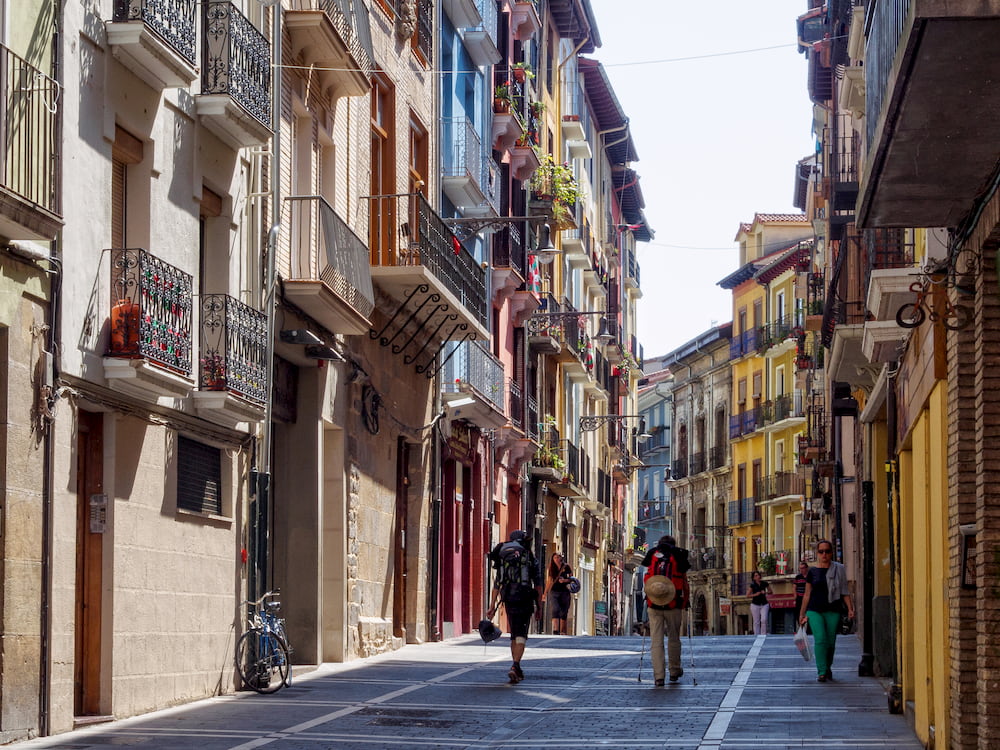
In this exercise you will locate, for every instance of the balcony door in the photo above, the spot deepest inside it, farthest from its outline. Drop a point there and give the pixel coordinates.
(91, 515)
(382, 221)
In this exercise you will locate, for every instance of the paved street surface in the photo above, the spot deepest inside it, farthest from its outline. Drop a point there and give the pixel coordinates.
(740, 693)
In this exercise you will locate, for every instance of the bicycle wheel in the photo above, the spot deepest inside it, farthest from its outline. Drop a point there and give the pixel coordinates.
(262, 661)
(910, 315)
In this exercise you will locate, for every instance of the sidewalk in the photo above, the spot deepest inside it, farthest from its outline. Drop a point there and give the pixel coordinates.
(737, 693)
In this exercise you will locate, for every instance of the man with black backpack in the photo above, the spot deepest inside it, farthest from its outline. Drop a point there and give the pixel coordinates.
(667, 596)
(518, 585)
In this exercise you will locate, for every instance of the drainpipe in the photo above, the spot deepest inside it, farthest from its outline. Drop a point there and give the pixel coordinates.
(264, 486)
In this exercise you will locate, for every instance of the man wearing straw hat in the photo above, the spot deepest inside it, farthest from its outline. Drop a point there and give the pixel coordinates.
(667, 596)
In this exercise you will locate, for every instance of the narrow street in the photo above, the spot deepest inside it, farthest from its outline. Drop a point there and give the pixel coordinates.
(738, 692)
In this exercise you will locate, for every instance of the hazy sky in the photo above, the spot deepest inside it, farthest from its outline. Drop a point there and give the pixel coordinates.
(718, 138)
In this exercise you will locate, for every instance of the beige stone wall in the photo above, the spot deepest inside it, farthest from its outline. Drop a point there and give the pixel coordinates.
(23, 301)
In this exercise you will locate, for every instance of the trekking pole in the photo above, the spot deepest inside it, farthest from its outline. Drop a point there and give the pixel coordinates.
(642, 653)
(694, 679)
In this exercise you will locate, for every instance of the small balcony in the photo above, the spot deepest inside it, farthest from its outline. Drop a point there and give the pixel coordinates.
(235, 98)
(470, 178)
(329, 276)
(630, 268)
(474, 386)
(334, 38)
(717, 457)
(29, 196)
(781, 486)
(479, 33)
(414, 253)
(155, 39)
(651, 510)
(149, 345)
(232, 372)
(931, 125)
(524, 19)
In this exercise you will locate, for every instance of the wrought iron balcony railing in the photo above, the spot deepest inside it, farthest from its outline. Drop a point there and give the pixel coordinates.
(30, 127)
(472, 365)
(151, 305)
(650, 510)
(173, 21)
(406, 231)
(697, 462)
(233, 348)
(351, 21)
(465, 157)
(509, 250)
(324, 247)
(739, 583)
(781, 484)
(531, 417)
(679, 468)
(236, 59)
(515, 403)
(717, 457)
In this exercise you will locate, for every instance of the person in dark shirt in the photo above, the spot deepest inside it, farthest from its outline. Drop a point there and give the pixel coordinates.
(760, 608)
(825, 598)
(800, 586)
(558, 593)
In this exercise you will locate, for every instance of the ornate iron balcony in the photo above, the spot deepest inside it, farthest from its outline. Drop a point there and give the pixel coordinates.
(236, 59)
(150, 310)
(171, 20)
(233, 348)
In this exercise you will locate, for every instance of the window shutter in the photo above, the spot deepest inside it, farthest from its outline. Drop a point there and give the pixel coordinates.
(199, 476)
(117, 203)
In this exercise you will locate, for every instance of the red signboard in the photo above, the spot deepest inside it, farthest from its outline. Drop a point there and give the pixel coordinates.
(781, 601)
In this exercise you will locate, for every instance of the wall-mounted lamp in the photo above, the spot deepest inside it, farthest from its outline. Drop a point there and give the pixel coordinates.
(301, 336)
(593, 422)
(546, 251)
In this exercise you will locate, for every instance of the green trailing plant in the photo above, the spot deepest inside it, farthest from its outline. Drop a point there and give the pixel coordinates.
(767, 564)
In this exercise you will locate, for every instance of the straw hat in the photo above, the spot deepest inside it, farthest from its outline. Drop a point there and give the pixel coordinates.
(660, 590)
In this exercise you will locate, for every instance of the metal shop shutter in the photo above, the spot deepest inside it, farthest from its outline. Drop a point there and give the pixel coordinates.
(199, 476)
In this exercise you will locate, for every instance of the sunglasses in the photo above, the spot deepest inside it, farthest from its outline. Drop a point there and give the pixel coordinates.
(825, 551)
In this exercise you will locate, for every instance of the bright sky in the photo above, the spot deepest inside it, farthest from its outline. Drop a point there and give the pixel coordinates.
(718, 138)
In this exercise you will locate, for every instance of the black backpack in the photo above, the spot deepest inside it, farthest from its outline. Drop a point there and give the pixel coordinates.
(513, 563)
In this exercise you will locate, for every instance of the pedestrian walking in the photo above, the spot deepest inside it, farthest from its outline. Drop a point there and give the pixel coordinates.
(667, 596)
(800, 586)
(760, 609)
(825, 599)
(557, 592)
(518, 586)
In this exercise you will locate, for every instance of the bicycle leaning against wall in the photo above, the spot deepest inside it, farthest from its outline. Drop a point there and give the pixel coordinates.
(262, 652)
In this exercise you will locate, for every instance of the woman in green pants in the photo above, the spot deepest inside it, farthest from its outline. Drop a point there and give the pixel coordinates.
(823, 603)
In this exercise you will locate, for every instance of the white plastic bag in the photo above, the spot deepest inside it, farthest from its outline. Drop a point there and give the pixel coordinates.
(801, 641)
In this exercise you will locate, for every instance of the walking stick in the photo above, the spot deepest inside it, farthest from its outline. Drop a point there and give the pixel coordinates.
(694, 680)
(642, 653)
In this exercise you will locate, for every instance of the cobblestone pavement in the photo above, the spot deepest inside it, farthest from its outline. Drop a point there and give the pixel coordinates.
(737, 693)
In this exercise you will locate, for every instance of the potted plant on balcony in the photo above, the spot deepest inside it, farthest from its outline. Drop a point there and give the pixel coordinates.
(502, 98)
(767, 564)
(521, 72)
(554, 182)
(537, 108)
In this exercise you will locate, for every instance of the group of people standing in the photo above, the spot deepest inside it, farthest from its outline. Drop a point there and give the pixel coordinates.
(822, 600)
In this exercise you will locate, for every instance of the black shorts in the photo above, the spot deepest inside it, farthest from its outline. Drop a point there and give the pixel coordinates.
(519, 621)
(560, 601)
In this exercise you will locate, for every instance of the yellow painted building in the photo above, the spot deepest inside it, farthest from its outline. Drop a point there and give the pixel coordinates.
(763, 242)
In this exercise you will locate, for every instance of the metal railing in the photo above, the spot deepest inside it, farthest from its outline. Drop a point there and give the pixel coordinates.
(151, 303)
(173, 21)
(509, 249)
(531, 417)
(652, 509)
(424, 38)
(471, 364)
(739, 583)
(464, 156)
(30, 132)
(406, 231)
(717, 457)
(697, 462)
(781, 484)
(233, 346)
(515, 403)
(885, 23)
(236, 59)
(679, 468)
(350, 19)
(324, 247)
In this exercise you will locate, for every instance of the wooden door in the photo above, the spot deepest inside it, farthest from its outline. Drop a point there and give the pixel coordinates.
(91, 515)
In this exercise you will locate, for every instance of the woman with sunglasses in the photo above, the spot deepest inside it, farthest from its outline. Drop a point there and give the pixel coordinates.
(822, 605)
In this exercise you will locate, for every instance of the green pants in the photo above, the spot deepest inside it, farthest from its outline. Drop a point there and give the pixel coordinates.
(824, 627)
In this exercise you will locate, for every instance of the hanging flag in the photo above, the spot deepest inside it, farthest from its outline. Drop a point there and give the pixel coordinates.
(534, 280)
(456, 245)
